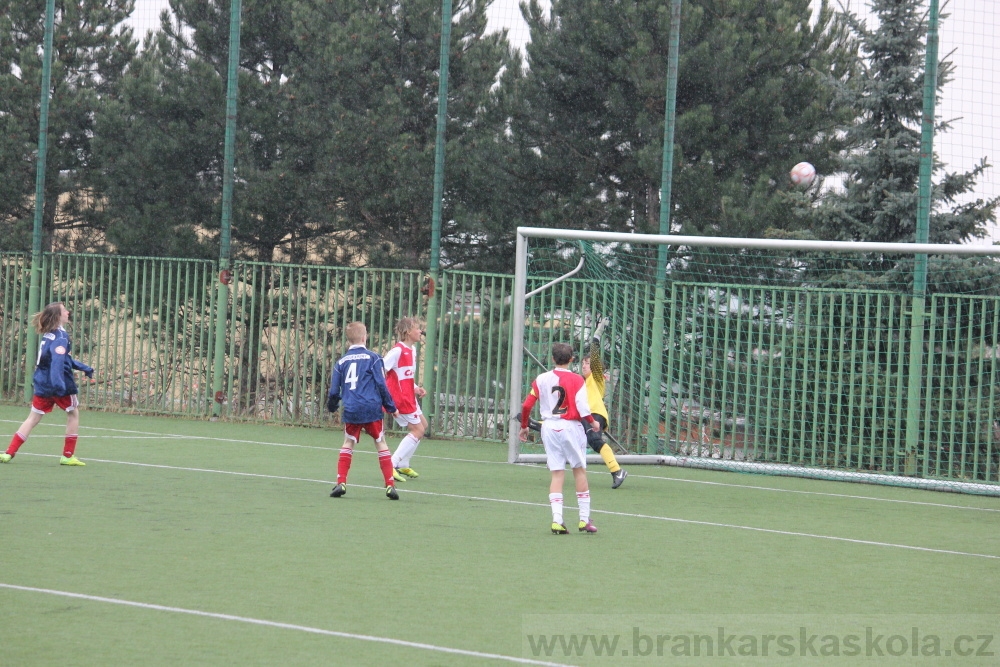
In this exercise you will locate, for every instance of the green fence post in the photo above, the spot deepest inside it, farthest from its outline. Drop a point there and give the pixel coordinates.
(222, 301)
(915, 368)
(666, 182)
(34, 289)
(430, 384)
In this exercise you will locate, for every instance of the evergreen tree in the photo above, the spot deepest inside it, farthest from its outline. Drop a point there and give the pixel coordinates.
(755, 95)
(91, 49)
(878, 201)
(336, 129)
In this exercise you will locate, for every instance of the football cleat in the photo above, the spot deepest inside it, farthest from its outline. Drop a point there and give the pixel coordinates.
(588, 527)
(397, 475)
(559, 529)
(409, 472)
(5, 457)
(71, 461)
(338, 491)
(618, 478)
(390, 493)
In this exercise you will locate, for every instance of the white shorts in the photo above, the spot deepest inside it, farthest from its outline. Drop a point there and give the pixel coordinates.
(411, 418)
(565, 442)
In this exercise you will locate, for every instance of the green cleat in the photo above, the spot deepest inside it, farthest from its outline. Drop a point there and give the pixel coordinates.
(409, 472)
(5, 457)
(587, 527)
(390, 493)
(559, 529)
(397, 475)
(71, 461)
(338, 491)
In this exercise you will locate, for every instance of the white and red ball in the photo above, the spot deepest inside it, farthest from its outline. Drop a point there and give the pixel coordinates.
(803, 174)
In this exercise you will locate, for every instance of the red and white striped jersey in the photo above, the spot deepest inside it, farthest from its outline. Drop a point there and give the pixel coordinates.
(400, 366)
(561, 394)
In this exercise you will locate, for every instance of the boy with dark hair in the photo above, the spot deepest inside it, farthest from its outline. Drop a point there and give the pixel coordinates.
(358, 380)
(563, 404)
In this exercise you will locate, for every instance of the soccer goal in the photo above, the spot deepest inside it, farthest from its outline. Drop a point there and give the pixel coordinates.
(866, 362)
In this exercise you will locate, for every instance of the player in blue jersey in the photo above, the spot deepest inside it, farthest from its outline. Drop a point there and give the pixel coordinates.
(358, 381)
(54, 383)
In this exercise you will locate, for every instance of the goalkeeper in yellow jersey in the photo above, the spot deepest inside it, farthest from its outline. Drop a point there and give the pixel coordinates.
(592, 370)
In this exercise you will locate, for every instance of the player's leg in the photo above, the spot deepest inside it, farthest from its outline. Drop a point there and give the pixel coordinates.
(555, 460)
(376, 431)
(583, 500)
(72, 429)
(351, 433)
(416, 426)
(576, 456)
(597, 443)
(23, 431)
(556, 502)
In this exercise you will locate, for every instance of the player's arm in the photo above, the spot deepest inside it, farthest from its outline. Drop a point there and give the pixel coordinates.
(378, 370)
(583, 408)
(333, 398)
(596, 365)
(80, 366)
(529, 403)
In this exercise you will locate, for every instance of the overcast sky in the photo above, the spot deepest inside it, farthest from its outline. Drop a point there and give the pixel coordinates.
(969, 34)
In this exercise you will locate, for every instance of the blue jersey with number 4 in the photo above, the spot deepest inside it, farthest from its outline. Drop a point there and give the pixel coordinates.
(359, 382)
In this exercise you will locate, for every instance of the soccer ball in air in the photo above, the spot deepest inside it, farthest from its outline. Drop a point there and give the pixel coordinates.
(803, 174)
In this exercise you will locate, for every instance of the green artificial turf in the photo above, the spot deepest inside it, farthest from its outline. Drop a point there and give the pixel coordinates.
(236, 519)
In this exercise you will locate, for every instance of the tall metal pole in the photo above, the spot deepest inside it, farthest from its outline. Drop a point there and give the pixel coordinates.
(430, 349)
(229, 158)
(916, 363)
(35, 278)
(666, 182)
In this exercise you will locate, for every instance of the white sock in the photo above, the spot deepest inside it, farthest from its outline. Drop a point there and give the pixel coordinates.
(407, 446)
(555, 499)
(583, 502)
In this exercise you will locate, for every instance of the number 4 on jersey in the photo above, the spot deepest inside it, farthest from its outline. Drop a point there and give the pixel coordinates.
(351, 377)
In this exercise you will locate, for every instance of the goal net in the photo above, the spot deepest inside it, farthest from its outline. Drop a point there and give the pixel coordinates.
(806, 358)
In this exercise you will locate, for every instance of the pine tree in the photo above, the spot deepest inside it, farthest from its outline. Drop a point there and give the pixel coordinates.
(878, 201)
(755, 95)
(336, 129)
(92, 47)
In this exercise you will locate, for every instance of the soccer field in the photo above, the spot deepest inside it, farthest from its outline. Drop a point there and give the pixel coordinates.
(198, 543)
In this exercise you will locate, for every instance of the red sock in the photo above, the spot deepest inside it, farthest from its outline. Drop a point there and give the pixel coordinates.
(344, 465)
(385, 463)
(15, 443)
(70, 446)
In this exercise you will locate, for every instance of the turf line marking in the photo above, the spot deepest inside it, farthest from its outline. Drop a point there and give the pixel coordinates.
(286, 626)
(178, 436)
(693, 522)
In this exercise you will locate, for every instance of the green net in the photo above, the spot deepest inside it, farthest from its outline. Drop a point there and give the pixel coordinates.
(811, 361)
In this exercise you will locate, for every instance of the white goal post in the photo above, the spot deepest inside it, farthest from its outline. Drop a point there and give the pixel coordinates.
(524, 239)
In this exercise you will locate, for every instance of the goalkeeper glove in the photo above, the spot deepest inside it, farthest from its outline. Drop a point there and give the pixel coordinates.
(601, 325)
(332, 403)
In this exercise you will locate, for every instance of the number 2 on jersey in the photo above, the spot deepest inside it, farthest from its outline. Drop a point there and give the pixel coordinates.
(560, 408)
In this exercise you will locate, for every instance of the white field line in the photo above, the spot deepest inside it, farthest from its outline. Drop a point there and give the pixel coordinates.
(654, 517)
(177, 436)
(286, 626)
